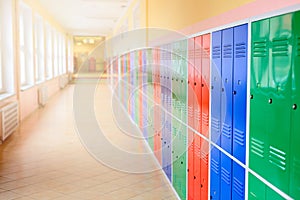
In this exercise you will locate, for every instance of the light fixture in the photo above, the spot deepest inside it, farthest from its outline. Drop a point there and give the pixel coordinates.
(79, 43)
(91, 41)
(85, 41)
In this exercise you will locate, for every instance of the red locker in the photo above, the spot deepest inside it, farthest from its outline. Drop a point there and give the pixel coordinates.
(157, 110)
(191, 64)
(205, 113)
(197, 116)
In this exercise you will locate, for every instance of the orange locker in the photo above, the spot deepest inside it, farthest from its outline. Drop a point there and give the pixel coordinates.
(191, 64)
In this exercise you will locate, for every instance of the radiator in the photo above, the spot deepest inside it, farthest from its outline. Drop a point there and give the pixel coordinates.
(42, 96)
(9, 119)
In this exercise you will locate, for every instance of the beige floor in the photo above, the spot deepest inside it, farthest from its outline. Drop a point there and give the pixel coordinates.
(44, 159)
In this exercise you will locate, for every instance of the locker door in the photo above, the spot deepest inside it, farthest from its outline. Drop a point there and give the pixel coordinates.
(278, 122)
(191, 60)
(257, 189)
(205, 86)
(140, 86)
(226, 112)
(157, 110)
(131, 80)
(259, 142)
(150, 71)
(197, 116)
(137, 88)
(144, 97)
(295, 117)
(216, 68)
(239, 109)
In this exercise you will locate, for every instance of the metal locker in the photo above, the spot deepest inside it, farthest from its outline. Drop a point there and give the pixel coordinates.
(295, 117)
(226, 112)
(238, 182)
(191, 64)
(132, 85)
(150, 104)
(259, 142)
(256, 188)
(197, 115)
(157, 110)
(144, 106)
(138, 95)
(216, 85)
(279, 112)
(227, 79)
(239, 109)
(205, 87)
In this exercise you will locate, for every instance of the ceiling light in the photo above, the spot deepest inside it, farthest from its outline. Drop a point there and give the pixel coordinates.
(91, 41)
(79, 43)
(85, 41)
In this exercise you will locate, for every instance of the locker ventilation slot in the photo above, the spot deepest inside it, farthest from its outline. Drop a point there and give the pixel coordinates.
(257, 147)
(205, 120)
(204, 156)
(225, 176)
(215, 166)
(296, 166)
(216, 52)
(190, 111)
(238, 187)
(240, 50)
(277, 158)
(280, 47)
(260, 48)
(205, 53)
(226, 130)
(10, 120)
(239, 137)
(197, 149)
(227, 51)
(215, 124)
(197, 53)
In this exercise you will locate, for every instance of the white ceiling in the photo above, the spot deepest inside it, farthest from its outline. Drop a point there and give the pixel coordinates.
(86, 17)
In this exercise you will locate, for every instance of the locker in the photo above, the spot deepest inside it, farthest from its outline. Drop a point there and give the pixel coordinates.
(258, 85)
(197, 116)
(138, 97)
(144, 107)
(259, 191)
(276, 167)
(215, 113)
(226, 112)
(238, 182)
(150, 72)
(227, 79)
(295, 116)
(132, 85)
(157, 110)
(240, 92)
(205, 85)
(191, 64)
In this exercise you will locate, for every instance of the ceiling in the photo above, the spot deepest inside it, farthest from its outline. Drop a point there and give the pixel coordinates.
(86, 17)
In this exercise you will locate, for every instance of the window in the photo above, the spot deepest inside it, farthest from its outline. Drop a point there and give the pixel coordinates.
(55, 52)
(64, 69)
(49, 53)
(70, 56)
(26, 46)
(60, 53)
(39, 49)
(7, 84)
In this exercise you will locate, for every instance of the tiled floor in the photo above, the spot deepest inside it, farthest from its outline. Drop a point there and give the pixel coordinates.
(44, 159)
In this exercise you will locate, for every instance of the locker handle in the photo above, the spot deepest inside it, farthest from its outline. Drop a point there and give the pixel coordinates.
(222, 89)
(212, 87)
(195, 84)
(181, 162)
(165, 142)
(161, 138)
(172, 79)
(251, 96)
(181, 81)
(177, 79)
(270, 101)
(194, 177)
(188, 82)
(202, 85)
(294, 106)
(167, 77)
(234, 92)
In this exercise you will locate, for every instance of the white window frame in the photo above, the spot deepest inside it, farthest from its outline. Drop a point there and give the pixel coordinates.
(48, 51)
(39, 49)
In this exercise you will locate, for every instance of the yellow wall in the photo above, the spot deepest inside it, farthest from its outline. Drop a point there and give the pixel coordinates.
(178, 14)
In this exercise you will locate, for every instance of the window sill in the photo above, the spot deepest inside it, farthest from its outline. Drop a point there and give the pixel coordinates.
(4, 96)
(26, 87)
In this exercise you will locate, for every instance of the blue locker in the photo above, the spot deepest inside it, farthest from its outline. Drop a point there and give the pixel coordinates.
(226, 111)
(238, 182)
(240, 92)
(215, 113)
(239, 109)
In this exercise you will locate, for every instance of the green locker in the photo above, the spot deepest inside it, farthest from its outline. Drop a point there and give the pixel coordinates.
(295, 116)
(259, 191)
(179, 131)
(258, 88)
(150, 99)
